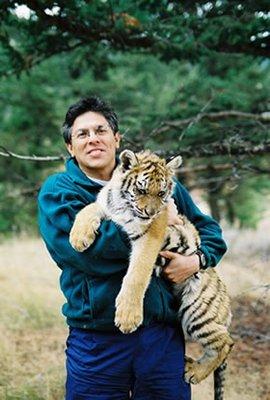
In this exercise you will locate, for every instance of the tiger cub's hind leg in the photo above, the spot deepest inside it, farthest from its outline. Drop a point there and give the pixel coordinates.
(215, 354)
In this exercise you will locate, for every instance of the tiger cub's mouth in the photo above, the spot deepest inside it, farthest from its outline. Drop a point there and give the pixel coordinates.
(144, 214)
(141, 215)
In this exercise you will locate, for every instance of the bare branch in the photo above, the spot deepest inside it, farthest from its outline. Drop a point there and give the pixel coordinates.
(28, 192)
(217, 180)
(224, 148)
(7, 153)
(233, 147)
(195, 120)
(233, 177)
(199, 168)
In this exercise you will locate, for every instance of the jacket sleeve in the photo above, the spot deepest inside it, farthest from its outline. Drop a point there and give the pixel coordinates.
(58, 207)
(212, 243)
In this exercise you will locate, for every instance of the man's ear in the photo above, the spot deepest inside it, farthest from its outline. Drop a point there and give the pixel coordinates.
(117, 139)
(128, 159)
(69, 149)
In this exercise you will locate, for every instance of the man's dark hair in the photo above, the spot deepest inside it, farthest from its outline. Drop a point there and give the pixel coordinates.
(94, 104)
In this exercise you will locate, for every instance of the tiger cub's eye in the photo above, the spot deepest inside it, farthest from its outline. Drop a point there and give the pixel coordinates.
(162, 193)
(141, 191)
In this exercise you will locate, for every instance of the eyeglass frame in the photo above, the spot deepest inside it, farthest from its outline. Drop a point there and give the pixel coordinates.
(87, 133)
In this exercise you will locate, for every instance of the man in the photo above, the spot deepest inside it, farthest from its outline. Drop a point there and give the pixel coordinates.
(103, 363)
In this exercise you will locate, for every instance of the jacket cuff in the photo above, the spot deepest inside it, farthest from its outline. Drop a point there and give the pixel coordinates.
(208, 257)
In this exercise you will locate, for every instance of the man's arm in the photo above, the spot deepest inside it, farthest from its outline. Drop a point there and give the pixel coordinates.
(58, 206)
(213, 246)
(212, 243)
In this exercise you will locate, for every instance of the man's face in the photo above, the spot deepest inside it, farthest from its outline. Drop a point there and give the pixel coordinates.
(94, 145)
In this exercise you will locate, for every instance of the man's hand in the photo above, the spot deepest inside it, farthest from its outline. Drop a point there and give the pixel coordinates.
(180, 267)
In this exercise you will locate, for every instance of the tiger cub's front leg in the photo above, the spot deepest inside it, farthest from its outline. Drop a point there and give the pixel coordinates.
(129, 302)
(83, 231)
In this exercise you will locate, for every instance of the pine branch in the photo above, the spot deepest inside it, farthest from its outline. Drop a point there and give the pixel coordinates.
(211, 150)
(148, 36)
(224, 148)
(213, 116)
(230, 147)
(223, 167)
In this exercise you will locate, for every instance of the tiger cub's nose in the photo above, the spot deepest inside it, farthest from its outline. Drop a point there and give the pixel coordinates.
(152, 209)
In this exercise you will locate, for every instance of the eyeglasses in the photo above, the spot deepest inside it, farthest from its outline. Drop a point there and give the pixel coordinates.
(99, 131)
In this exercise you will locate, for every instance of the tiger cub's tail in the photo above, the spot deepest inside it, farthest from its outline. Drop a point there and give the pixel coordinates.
(219, 379)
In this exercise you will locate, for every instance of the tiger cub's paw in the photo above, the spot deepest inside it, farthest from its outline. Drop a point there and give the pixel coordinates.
(194, 372)
(83, 232)
(128, 315)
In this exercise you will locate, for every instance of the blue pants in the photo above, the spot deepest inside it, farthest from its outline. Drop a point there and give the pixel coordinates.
(145, 365)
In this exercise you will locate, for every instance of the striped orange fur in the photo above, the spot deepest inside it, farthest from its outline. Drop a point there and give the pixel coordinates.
(204, 310)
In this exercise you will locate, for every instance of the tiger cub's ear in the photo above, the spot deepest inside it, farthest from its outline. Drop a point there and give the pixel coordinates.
(128, 159)
(175, 163)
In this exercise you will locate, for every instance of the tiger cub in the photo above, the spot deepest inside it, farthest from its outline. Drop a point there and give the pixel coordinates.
(135, 198)
(204, 309)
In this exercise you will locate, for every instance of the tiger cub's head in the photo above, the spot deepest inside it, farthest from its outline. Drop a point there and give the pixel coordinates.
(147, 182)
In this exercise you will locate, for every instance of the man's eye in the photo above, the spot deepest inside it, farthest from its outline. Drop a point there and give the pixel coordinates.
(102, 131)
(82, 135)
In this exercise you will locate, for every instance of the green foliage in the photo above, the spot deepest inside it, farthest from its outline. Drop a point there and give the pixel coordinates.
(247, 203)
(169, 29)
(156, 61)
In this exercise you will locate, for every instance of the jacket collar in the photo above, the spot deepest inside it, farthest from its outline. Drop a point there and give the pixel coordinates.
(78, 176)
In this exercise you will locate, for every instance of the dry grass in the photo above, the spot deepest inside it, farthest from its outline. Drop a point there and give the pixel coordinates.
(31, 329)
(33, 332)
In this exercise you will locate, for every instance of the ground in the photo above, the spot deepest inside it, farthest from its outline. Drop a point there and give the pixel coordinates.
(33, 332)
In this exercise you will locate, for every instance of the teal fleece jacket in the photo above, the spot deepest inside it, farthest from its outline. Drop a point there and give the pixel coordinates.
(91, 280)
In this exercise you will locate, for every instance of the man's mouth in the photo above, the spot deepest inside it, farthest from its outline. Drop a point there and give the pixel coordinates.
(95, 152)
